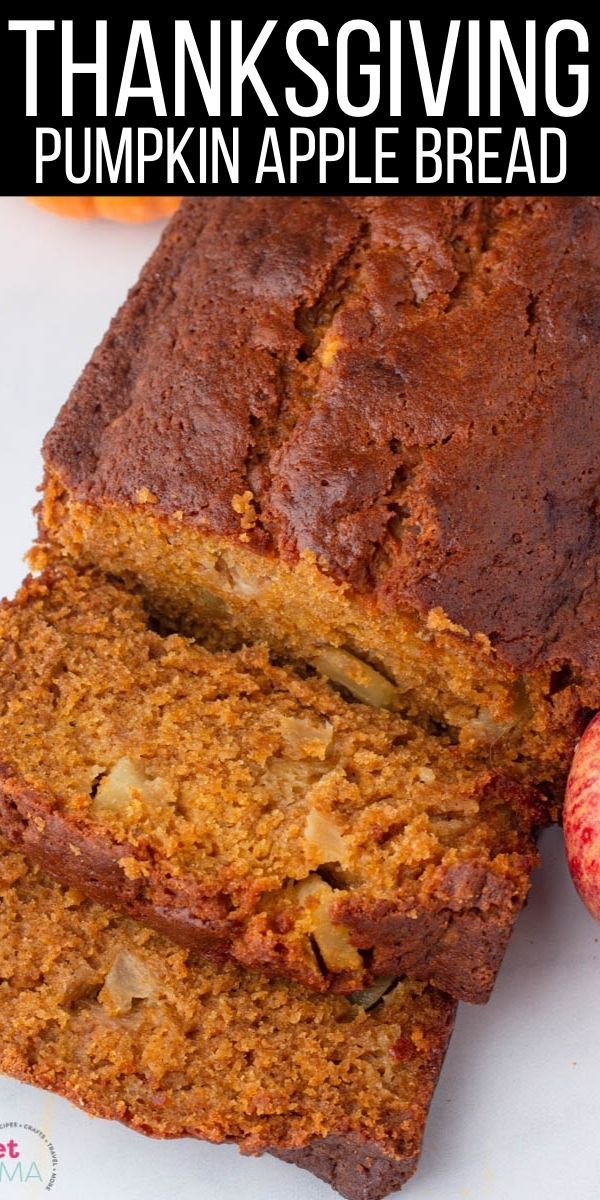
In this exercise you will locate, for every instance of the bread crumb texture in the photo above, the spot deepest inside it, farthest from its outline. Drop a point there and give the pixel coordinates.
(270, 804)
(128, 1026)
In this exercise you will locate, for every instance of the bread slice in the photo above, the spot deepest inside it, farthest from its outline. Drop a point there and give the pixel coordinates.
(246, 810)
(129, 1027)
(370, 423)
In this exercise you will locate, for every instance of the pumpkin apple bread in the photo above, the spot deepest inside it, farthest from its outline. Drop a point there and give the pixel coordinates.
(129, 1027)
(247, 809)
(366, 425)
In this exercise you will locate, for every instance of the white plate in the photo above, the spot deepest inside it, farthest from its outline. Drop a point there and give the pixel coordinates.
(517, 1111)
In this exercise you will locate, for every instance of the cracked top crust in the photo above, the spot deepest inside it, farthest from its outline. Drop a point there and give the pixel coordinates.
(405, 387)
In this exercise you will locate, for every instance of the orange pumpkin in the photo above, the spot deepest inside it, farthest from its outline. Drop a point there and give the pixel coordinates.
(115, 208)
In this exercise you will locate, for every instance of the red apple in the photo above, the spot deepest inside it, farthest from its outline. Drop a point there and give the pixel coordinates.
(581, 818)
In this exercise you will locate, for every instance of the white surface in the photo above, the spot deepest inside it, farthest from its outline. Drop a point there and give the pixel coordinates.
(517, 1110)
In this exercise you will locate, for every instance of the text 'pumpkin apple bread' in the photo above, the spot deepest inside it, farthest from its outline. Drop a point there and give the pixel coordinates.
(131, 1028)
(366, 425)
(247, 810)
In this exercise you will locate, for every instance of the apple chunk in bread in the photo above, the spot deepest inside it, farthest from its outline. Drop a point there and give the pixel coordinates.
(582, 818)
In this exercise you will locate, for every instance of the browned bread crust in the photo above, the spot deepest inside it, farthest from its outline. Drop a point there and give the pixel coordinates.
(133, 1029)
(354, 1168)
(406, 388)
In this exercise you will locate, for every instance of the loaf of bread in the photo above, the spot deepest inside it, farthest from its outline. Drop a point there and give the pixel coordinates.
(246, 809)
(362, 424)
(131, 1028)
